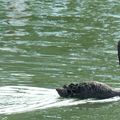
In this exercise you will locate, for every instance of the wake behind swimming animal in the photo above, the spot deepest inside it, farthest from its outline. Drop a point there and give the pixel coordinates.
(86, 90)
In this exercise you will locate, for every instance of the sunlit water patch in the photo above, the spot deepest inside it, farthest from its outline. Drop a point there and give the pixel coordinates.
(17, 99)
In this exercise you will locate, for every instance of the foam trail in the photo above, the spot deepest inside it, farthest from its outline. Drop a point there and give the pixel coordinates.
(18, 99)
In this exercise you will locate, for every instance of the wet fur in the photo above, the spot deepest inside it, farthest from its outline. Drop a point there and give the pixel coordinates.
(86, 90)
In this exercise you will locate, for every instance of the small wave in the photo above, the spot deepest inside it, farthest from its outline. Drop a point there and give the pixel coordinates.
(18, 99)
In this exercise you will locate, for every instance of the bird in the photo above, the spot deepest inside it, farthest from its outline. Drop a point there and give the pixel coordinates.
(89, 89)
(118, 47)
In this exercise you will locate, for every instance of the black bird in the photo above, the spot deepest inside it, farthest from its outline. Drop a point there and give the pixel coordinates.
(119, 52)
(89, 89)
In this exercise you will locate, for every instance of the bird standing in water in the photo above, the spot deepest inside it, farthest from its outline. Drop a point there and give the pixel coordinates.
(89, 89)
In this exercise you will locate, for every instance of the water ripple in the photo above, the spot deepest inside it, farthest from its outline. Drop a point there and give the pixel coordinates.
(17, 99)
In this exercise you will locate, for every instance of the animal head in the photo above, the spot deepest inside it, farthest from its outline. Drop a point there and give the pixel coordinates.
(62, 92)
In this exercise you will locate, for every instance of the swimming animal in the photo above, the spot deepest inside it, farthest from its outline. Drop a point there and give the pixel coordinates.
(89, 89)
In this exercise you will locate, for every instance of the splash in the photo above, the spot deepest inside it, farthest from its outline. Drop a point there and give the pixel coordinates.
(18, 99)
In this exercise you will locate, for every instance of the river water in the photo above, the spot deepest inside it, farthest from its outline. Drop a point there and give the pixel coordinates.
(45, 44)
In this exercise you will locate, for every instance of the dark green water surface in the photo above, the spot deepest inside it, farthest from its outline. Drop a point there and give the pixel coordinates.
(45, 44)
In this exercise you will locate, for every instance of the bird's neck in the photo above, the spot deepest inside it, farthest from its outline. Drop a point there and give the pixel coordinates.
(119, 52)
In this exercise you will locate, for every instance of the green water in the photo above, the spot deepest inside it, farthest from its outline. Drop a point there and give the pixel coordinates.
(49, 43)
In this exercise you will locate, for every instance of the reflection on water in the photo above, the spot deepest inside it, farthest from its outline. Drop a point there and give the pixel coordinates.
(17, 99)
(17, 13)
(49, 43)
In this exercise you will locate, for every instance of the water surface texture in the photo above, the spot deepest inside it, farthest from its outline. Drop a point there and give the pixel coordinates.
(45, 44)
(19, 99)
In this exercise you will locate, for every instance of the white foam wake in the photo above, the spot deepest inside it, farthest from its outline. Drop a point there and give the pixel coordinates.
(17, 99)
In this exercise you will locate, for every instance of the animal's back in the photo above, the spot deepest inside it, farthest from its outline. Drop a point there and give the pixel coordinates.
(87, 90)
(94, 90)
